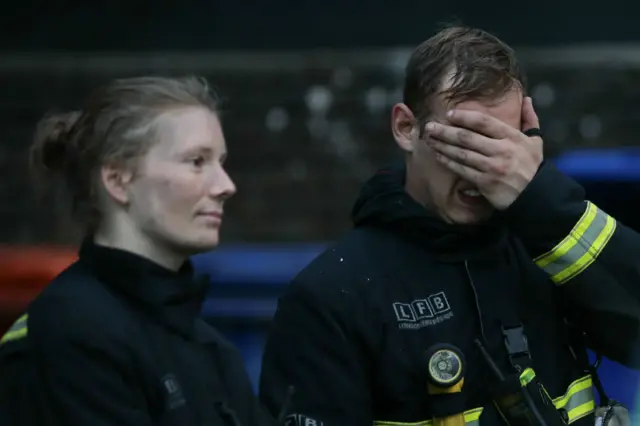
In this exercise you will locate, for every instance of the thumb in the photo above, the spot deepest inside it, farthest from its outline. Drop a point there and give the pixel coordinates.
(529, 116)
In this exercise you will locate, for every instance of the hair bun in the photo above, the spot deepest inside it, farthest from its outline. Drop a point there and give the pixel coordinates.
(52, 140)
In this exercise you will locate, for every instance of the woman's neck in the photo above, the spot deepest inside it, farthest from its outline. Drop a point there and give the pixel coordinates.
(131, 240)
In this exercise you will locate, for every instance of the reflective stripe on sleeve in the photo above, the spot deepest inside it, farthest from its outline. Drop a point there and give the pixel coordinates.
(17, 331)
(581, 247)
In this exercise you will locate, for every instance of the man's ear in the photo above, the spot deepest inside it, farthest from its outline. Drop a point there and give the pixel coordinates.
(116, 181)
(403, 127)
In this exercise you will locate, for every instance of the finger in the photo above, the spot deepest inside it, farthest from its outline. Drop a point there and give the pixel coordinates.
(481, 123)
(463, 138)
(460, 155)
(465, 172)
(529, 117)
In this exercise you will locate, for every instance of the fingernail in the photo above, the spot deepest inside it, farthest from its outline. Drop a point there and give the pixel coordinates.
(450, 113)
(431, 126)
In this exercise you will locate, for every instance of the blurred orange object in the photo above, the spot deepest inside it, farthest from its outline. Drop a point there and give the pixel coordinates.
(24, 272)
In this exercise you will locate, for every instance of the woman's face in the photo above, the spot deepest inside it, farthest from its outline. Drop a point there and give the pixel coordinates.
(176, 198)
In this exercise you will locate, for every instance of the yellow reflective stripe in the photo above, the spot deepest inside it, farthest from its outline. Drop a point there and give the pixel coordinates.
(578, 401)
(17, 331)
(578, 250)
(569, 241)
(471, 418)
(527, 376)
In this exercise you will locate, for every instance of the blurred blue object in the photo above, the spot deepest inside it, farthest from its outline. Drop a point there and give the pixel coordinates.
(271, 264)
(248, 279)
(620, 383)
(601, 164)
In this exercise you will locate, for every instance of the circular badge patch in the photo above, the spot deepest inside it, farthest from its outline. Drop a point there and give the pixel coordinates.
(445, 367)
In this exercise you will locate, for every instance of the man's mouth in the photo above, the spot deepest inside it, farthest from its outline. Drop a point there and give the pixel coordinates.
(471, 193)
(471, 197)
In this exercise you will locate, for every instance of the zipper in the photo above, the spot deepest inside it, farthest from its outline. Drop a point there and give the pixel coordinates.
(477, 299)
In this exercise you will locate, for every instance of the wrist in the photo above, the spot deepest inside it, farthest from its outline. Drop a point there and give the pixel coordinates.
(550, 200)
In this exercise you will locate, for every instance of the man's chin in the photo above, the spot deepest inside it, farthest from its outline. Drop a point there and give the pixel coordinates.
(469, 217)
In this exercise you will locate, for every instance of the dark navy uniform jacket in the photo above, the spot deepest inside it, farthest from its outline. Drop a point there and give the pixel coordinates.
(352, 329)
(117, 340)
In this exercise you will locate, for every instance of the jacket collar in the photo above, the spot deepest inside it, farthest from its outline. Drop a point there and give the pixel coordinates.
(172, 298)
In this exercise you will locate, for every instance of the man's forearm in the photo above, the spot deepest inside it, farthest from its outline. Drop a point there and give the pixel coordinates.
(594, 259)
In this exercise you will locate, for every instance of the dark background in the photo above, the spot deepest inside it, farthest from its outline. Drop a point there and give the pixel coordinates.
(282, 24)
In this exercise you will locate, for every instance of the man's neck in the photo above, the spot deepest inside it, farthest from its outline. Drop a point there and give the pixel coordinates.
(416, 190)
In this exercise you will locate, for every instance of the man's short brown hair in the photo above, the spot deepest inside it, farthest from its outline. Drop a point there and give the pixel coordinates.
(481, 66)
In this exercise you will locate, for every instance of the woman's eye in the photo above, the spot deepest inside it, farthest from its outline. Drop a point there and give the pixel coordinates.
(198, 161)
